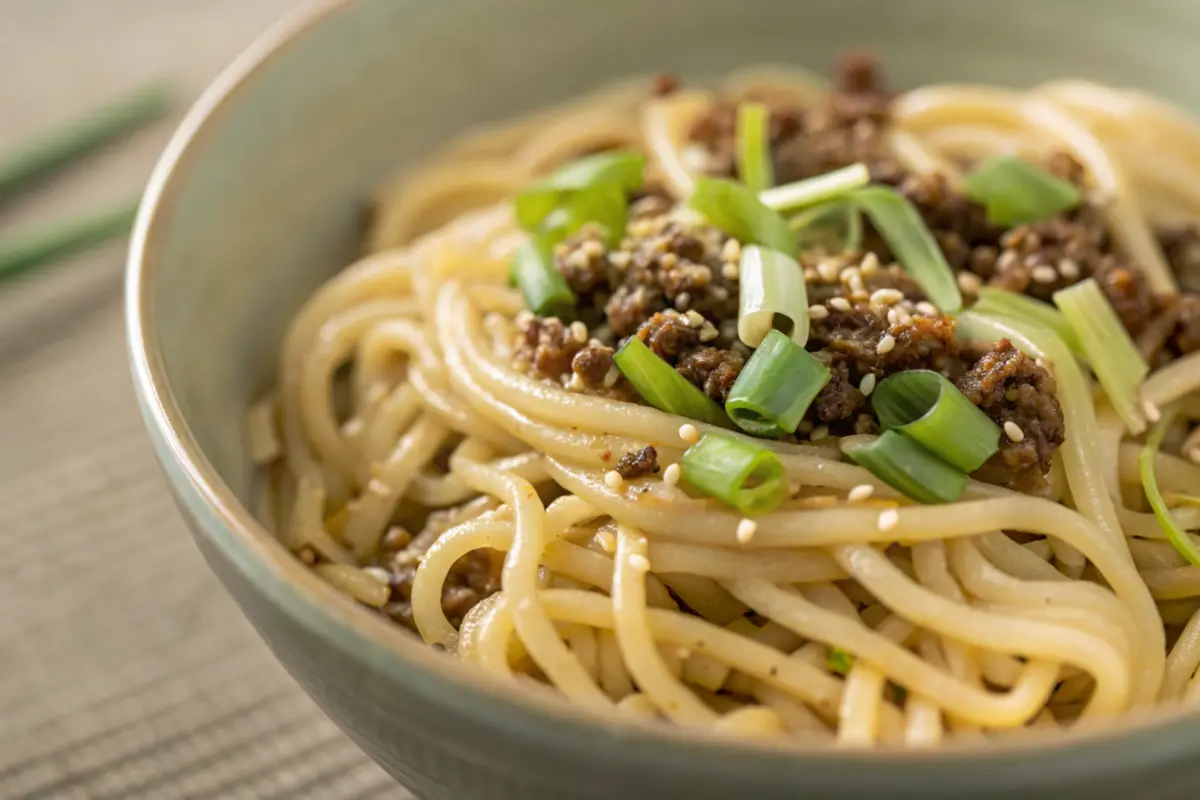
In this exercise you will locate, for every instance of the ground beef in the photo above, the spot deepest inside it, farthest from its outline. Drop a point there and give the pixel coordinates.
(1008, 386)
(638, 464)
(547, 347)
(959, 225)
(1182, 249)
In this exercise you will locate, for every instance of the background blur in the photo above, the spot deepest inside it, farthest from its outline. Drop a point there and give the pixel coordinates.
(124, 669)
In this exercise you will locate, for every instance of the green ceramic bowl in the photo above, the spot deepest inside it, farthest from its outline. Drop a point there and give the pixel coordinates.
(259, 198)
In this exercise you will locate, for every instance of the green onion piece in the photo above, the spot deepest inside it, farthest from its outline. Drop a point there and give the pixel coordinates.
(772, 296)
(24, 250)
(999, 302)
(663, 387)
(834, 227)
(819, 189)
(748, 477)
(605, 205)
(776, 387)
(840, 661)
(924, 406)
(754, 146)
(37, 159)
(1015, 192)
(543, 286)
(736, 210)
(909, 468)
(1176, 535)
(1112, 354)
(906, 234)
(622, 168)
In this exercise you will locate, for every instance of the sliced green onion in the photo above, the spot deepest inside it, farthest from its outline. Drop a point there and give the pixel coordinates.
(819, 189)
(840, 661)
(776, 387)
(538, 201)
(26, 249)
(834, 227)
(901, 226)
(748, 477)
(1176, 535)
(664, 388)
(39, 158)
(736, 210)
(754, 146)
(1112, 354)
(924, 406)
(543, 286)
(999, 302)
(910, 469)
(772, 296)
(1015, 192)
(605, 205)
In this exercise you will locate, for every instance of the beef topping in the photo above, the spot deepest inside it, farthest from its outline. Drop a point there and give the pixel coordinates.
(638, 464)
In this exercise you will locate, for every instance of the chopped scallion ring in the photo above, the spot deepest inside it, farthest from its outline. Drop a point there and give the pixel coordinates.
(622, 168)
(543, 286)
(840, 661)
(754, 146)
(748, 477)
(909, 468)
(924, 406)
(1175, 533)
(776, 387)
(1015, 192)
(663, 387)
(772, 295)
(737, 210)
(792, 197)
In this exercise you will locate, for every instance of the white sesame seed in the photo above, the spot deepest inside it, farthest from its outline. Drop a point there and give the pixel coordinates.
(1013, 431)
(732, 250)
(611, 377)
(683, 300)
(730, 271)
(614, 481)
(969, 282)
(576, 259)
(620, 259)
(693, 319)
(592, 248)
(849, 274)
(828, 271)
(818, 312)
(870, 264)
(893, 317)
(840, 303)
(579, 331)
(1044, 273)
(927, 309)
(607, 542)
(1006, 259)
(1069, 268)
(867, 384)
(810, 275)
(639, 563)
(668, 261)
(708, 332)
(523, 318)
(887, 297)
(860, 493)
(888, 518)
(671, 474)
(856, 285)
(818, 433)
(746, 530)
(886, 345)
(575, 384)
(1151, 411)
(688, 433)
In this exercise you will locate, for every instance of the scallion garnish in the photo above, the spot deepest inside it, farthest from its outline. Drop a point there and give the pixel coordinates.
(901, 226)
(605, 205)
(819, 189)
(840, 661)
(924, 406)
(776, 387)
(1015, 192)
(663, 387)
(909, 468)
(1176, 535)
(999, 302)
(545, 290)
(737, 210)
(748, 477)
(772, 296)
(26, 249)
(621, 168)
(1111, 353)
(835, 227)
(754, 146)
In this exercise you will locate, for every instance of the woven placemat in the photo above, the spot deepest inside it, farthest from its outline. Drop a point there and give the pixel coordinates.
(125, 671)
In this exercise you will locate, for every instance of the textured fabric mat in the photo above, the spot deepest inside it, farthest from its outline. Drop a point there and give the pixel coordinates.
(125, 671)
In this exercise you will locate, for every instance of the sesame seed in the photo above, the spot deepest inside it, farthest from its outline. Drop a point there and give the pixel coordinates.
(668, 261)
(856, 285)
(620, 259)
(840, 303)
(671, 474)
(576, 259)
(611, 377)
(810, 275)
(639, 563)
(887, 297)
(820, 432)
(969, 282)
(746, 530)
(607, 542)
(818, 312)
(708, 332)
(893, 316)
(888, 518)
(861, 492)
(828, 271)
(693, 319)
(592, 248)
(732, 250)
(614, 481)
(1013, 431)
(886, 345)
(850, 274)
(683, 300)
(576, 384)
(1069, 268)
(378, 573)
(1006, 259)
(579, 331)
(1044, 273)
(688, 433)
(1151, 411)
(870, 264)
(867, 384)
(523, 318)
(926, 308)
(730, 271)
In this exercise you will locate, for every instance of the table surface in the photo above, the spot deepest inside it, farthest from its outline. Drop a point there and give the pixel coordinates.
(125, 670)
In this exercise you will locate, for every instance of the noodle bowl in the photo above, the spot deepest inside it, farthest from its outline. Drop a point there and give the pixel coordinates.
(411, 399)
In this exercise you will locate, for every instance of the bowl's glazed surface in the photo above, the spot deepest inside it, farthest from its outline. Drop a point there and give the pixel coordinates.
(260, 197)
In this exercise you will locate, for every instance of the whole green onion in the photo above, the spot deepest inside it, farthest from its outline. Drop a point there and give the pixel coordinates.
(664, 388)
(748, 477)
(776, 387)
(545, 290)
(24, 250)
(817, 190)
(754, 146)
(1019, 306)
(909, 468)
(736, 210)
(622, 168)
(1015, 192)
(1175, 533)
(924, 406)
(771, 295)
(1111, 353)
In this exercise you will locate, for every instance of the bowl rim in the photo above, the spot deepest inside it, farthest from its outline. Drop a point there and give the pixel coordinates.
(1138, 740)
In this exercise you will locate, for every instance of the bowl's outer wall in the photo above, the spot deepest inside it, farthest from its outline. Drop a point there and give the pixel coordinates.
(272, 203)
